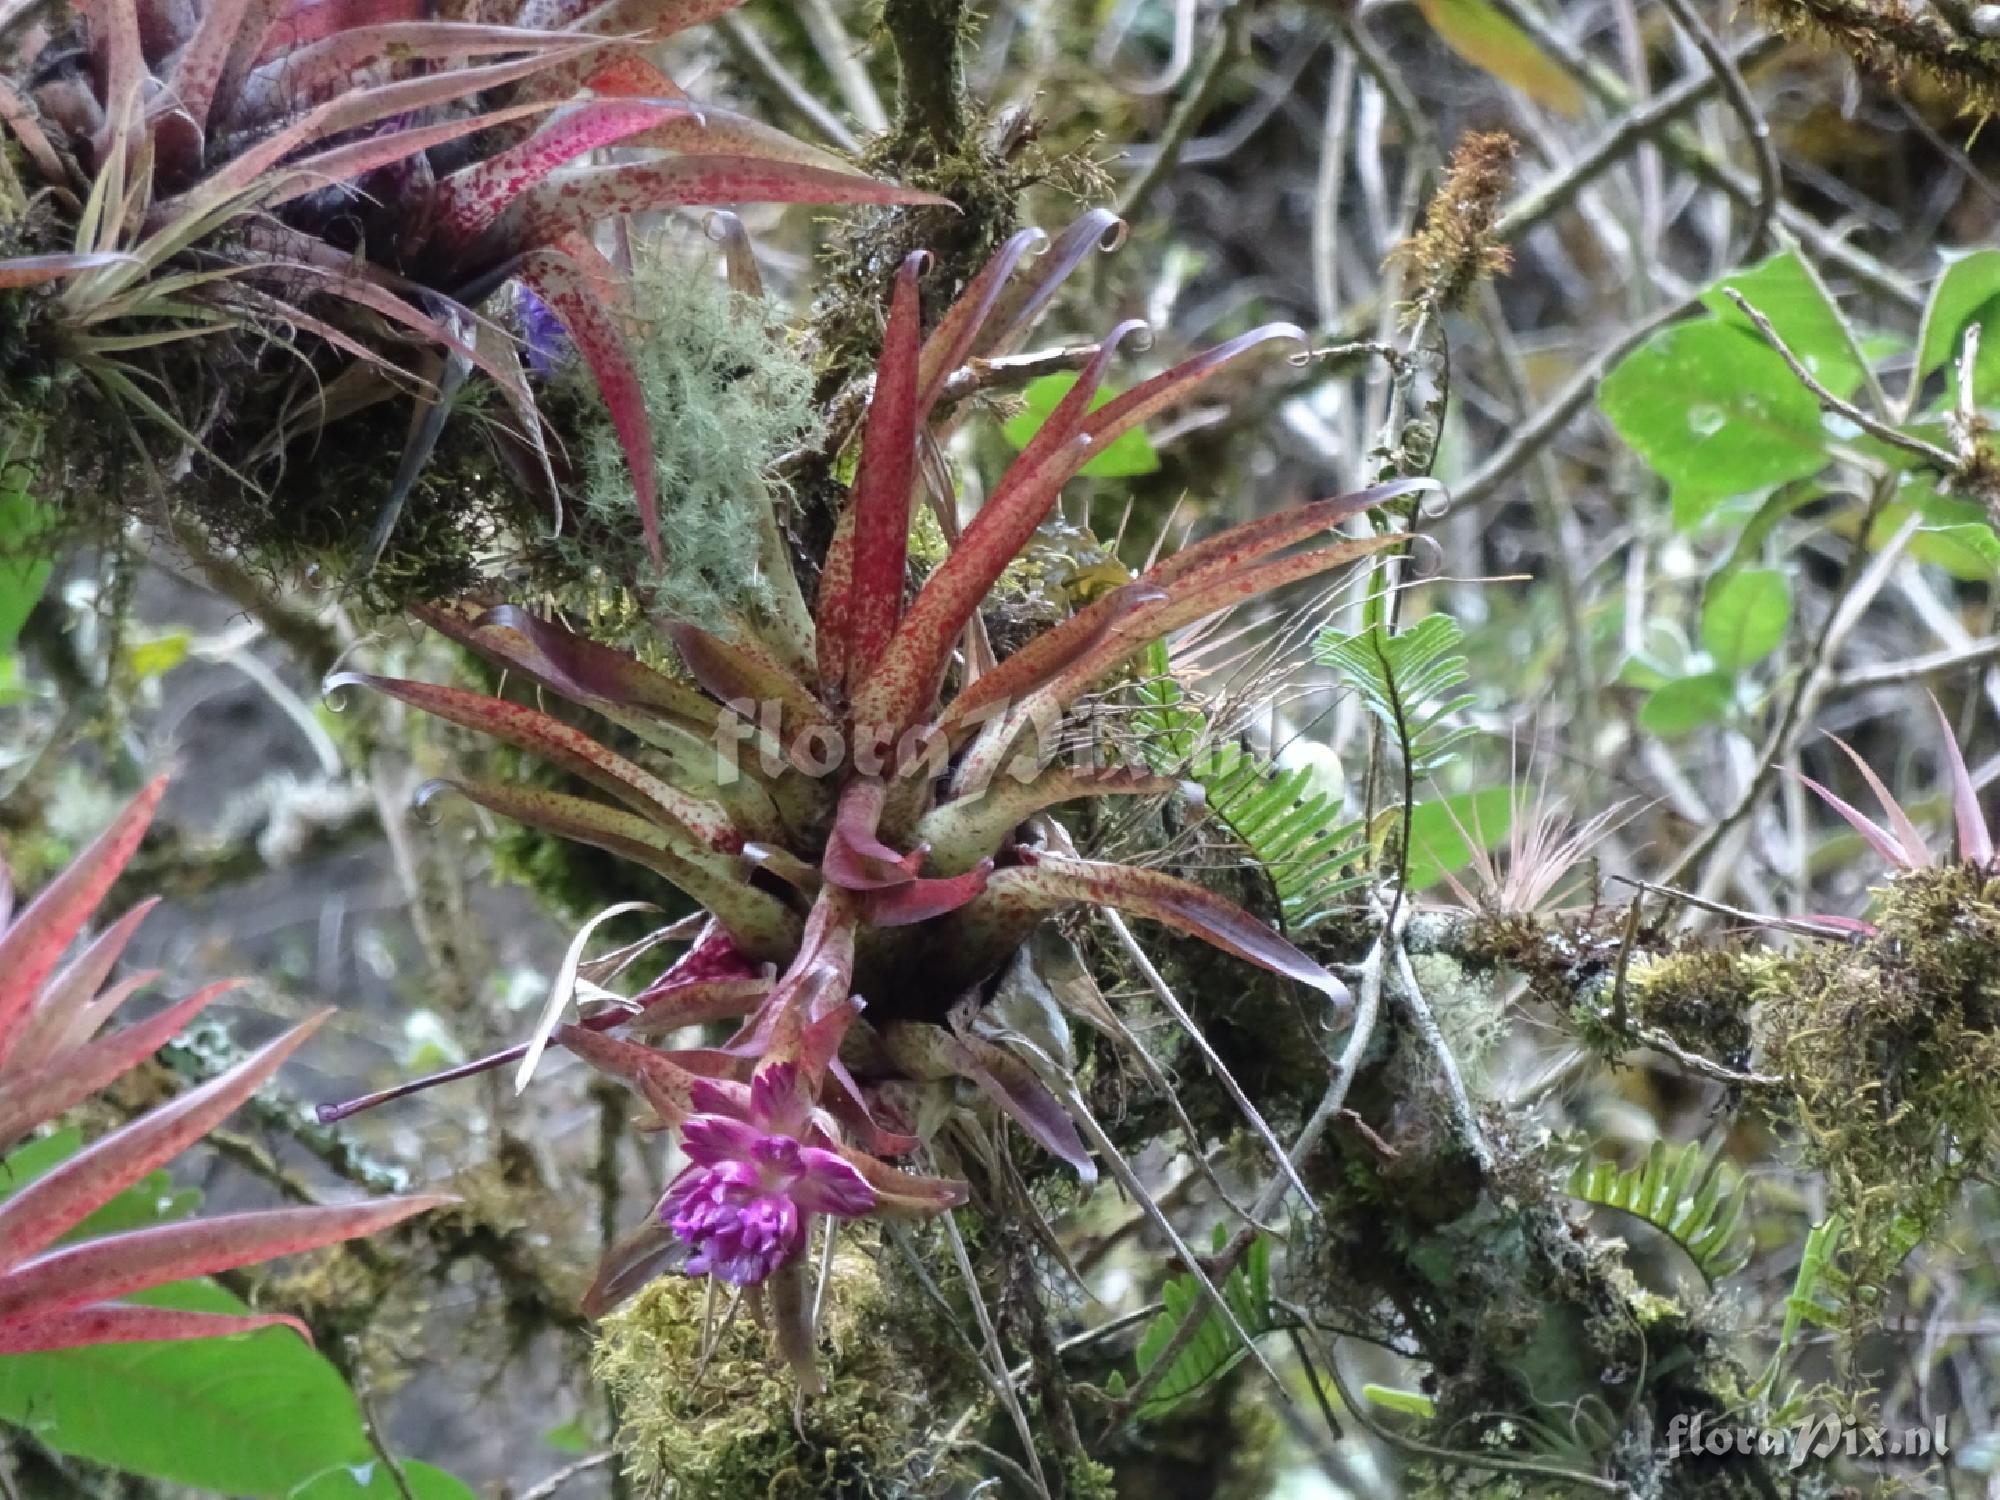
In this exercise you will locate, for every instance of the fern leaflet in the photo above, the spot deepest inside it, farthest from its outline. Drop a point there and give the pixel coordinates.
(1295, 832)
(1214, 1350)
(1409, 682)
(1685, 1195)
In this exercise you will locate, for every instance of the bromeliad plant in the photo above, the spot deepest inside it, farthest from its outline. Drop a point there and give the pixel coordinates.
(325, 192)
(852, 795)
(58, 1291)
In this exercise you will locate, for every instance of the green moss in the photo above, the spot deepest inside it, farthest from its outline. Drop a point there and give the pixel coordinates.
(721, 1426)
(1891, 1051)
(1700, 998)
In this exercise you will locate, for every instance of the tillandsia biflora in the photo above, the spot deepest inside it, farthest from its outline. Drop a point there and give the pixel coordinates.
(60, 1289)
(329, 198)
(852, 794)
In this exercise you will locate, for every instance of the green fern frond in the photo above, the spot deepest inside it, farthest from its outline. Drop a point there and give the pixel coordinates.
(1409, 682)
(1214, 1351)
(1688, 1196)
(1295, 832)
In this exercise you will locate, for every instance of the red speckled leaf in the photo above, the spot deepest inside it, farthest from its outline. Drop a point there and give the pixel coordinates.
(32, 946)
(120, 1264)
(567, 748)
(198, 67)
(67, 1080)
(1029, 294)
(115, 1323)
(576, 202)
(52, 1204)
(573, 298)
(924, 900)
(302, 25)
(902, 681)
(35, 270)
(860, 622)
(957, 331)
(473, 197)
(1219, 556)
(735, 671)
(663, 1083)
(1180, 904)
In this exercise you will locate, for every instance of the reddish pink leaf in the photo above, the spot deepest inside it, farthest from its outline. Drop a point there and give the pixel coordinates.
(856, 858)
(578, 201)
(902, 681)
(663, 1083)
(573, 665)
(50, 1205)
(1975, 839)
(119, 1264)
(561, 283)
(1219, 557)
(564, 747)
(653, 19)
(312, 72)
(1051, 882)
(1878, 837)
(29, 1098)
(1028, 295)
(302, 25)
(860, 622)
(471, 198)
(32, 946)
(1915, 851)
(66, 1000)
(952, 340)
(310, 174)
(34, 270)
(199, 67)
(116, 1323)
(923, 900)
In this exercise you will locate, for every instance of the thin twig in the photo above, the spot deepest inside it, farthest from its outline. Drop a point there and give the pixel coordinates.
(1770, 180)
(1941, 459)
(566, 1473)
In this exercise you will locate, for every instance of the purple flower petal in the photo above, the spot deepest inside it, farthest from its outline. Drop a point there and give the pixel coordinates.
(828, 1185)
(774, 1098)
(711, 1140)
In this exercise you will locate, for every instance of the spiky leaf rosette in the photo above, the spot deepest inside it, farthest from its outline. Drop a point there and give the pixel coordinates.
(58, 1292)
(251, 217)
(851, 799)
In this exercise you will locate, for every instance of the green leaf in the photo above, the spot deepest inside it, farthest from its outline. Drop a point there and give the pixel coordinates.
(573, 1436)
(1483, 37)
(1788, 294)
(1438, 849)
(255, 1414)
(1686, 705)
(1964, 292)
(1411, 1403)
(1969, 550)
(1744, 617)
(1128, 453)
(1715, 412)
(23, 569)
(157, 657)
(373, 1481)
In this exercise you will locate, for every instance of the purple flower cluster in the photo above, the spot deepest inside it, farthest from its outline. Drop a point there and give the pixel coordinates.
(745, 1202)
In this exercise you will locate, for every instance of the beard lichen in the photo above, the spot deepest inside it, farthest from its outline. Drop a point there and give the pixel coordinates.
(1890, 1049)
(726, 396)
(718, 1424)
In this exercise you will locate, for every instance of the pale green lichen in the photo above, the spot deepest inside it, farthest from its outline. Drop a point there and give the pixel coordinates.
(726, 396)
